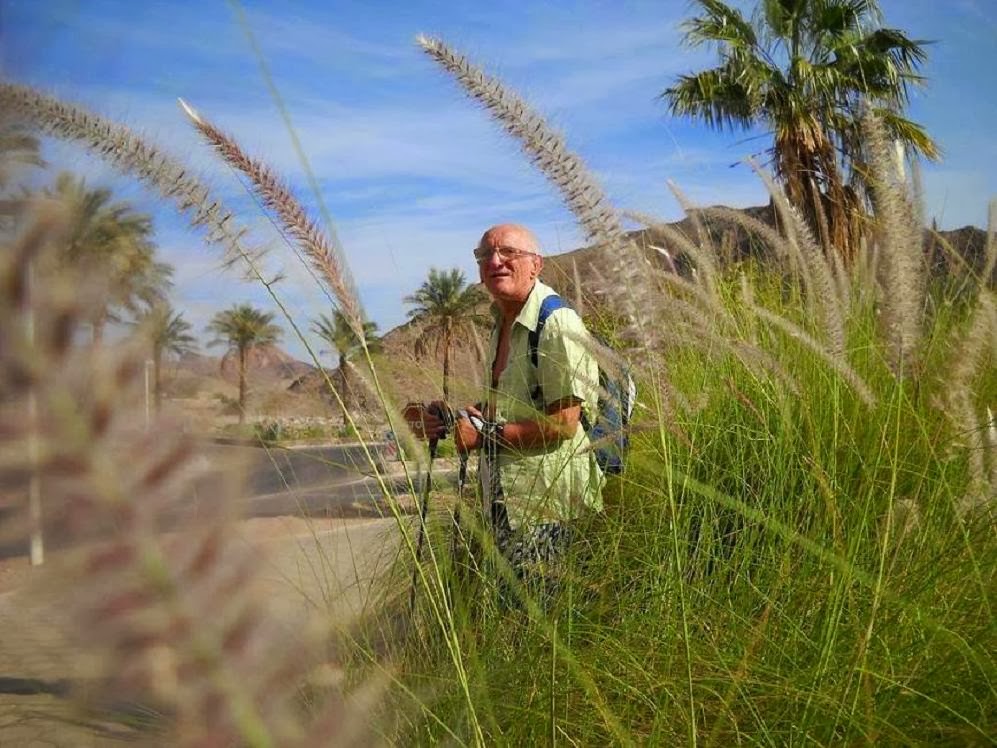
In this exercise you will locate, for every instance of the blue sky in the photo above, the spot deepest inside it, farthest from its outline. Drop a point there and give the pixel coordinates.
(409, 170)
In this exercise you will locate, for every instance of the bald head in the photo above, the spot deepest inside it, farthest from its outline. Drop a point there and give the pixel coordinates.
(511, 235)
(509, 262)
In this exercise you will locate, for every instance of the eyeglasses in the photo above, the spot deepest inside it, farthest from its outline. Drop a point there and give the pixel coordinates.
(505, 254)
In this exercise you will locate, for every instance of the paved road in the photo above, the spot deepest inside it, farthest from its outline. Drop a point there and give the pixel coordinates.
(280, 468)
(336, 481)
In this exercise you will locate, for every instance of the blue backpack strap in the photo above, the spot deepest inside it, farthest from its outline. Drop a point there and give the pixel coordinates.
(547, 307)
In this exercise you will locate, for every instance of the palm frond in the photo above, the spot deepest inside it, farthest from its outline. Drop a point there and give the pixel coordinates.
(722, 24)
(718, 97)
(908, 132)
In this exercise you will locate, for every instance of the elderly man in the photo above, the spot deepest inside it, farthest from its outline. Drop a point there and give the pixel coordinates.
(536, 472)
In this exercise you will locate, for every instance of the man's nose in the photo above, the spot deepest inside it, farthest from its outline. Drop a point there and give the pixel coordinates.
(493, 260)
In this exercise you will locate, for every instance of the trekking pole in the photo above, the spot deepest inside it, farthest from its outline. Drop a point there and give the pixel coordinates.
(445, 415)
(457, 538)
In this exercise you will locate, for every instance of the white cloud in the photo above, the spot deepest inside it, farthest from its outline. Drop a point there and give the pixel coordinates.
(411, 171)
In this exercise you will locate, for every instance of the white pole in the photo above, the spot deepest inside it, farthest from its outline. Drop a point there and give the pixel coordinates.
(37, 551)
(148, 416)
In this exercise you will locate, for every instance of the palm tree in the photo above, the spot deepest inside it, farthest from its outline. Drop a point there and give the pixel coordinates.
(243, 328)
(340, 334)
(168, 332)
(446, 306)
(804, 70)
(111, 241)
(17, 148)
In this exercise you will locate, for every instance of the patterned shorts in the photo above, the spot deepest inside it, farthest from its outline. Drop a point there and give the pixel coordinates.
(542, 545)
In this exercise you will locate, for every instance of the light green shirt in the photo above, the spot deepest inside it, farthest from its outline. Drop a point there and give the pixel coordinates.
(551, 483)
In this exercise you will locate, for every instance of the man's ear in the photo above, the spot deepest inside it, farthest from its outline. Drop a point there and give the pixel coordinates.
(538, 265)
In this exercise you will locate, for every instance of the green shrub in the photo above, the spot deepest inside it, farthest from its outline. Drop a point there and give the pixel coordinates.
(348, 433)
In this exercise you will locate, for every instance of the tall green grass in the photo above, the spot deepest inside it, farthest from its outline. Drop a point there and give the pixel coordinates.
(782, 563)
(802, 549)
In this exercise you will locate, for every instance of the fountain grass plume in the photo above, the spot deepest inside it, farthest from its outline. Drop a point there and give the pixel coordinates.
(821, 281)
(325, 256)
(841, 367)
(131, 155)
(548, 151)
(680, 242)
(902, 253)
(707, 252)
(974, 352)
(780, 246)
(160, 596)
(543, 146)
(771, 238)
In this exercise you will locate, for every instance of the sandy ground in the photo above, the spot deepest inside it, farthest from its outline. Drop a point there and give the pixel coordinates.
(17, 570)
(324, 564)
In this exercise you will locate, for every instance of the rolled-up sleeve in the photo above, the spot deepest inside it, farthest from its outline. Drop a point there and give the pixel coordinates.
(566, 366)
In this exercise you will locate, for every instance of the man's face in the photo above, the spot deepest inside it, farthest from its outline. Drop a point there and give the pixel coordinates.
(508, 273)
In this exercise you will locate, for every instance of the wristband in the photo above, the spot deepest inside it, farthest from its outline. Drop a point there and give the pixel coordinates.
(489, 430)
(492, 430)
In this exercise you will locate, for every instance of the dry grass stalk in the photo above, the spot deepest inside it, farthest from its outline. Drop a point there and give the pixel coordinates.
(132, 155)
(902, 254)
(972, 354)
(820, 278)
(990, 254)
(548, 151)
(706, 268)
(579, 299)
(990, 438)
(846, 372)
(325, 256)
(151, 581)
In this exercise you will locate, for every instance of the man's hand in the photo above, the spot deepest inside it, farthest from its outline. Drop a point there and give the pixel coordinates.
(424, 422)
(466, 437)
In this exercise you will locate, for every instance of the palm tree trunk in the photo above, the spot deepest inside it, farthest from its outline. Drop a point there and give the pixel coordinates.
(447, 344)
(157, 387)
(344, 386)
(242, 384)
(819, 215)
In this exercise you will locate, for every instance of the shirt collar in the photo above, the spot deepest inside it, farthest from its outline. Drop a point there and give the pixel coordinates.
(529, 315)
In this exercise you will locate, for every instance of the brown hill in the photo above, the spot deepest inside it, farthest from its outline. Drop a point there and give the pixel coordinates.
(264, 363)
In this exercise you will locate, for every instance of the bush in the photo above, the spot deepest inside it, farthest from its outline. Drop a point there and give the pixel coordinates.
(446, 448)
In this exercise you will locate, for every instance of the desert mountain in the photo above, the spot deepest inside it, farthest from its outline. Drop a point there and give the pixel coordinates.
(264, 363)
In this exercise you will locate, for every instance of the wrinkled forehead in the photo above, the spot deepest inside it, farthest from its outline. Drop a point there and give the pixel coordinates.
(510, 235)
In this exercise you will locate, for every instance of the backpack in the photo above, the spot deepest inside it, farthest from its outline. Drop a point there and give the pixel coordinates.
(616, 400)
